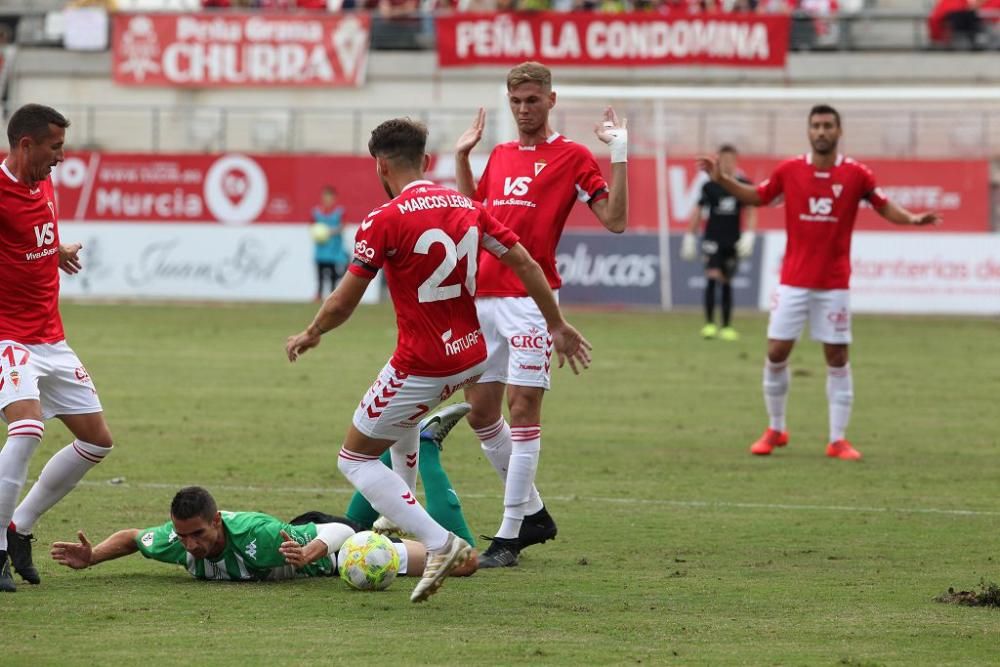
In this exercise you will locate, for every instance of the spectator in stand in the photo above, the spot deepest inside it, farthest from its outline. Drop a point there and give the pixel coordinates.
(775, 6)
(958, 23)
(604, 6)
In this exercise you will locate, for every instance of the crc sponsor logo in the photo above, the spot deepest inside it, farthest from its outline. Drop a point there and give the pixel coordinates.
(533, 340)
(841, 319)
(147, 538)
(607, 270)
(363, 252)
(82, 375)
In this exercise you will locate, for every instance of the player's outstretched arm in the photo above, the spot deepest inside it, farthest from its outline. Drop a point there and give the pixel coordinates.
(898, 215)
(746, 193)
(81, 555)
(336, 310)
(570, 345)
(613, 211)
(466, 183)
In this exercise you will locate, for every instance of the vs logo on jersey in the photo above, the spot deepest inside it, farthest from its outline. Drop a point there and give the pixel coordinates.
(516, 186)
(45, 234)
(820, 206)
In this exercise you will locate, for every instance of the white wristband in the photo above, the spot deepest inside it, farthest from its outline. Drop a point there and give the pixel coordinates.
(618, 144)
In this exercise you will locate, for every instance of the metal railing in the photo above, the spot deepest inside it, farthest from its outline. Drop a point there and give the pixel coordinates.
(870, 130)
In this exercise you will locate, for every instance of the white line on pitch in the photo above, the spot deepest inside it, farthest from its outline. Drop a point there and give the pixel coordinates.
(708, 504)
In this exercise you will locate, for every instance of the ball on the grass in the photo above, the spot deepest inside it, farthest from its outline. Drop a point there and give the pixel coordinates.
(368, 561)
(319, 232)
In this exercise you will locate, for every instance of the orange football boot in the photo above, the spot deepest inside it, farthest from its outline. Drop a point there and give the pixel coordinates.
(841, 449)
(767, 442)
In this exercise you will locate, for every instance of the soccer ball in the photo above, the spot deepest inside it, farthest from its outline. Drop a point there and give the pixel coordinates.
(319, 232)
(368, 561)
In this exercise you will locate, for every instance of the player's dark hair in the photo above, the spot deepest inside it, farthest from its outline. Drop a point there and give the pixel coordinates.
(822, 110)
(728, 148)
(33, 120)
(192, 501)
(329, 189)
(400, 140)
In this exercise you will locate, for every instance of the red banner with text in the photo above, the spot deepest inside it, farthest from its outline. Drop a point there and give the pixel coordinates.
(602, 40)
(211, 50)
(239, 189)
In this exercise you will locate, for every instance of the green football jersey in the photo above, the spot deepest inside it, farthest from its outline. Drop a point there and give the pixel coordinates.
(251, 551)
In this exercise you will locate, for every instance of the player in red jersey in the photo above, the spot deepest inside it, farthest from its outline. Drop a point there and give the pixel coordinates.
(40, 376)
(427, 239)
(530, 185)
(822, 191)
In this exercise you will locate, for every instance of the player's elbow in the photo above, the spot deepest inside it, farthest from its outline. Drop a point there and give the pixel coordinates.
(617, 225)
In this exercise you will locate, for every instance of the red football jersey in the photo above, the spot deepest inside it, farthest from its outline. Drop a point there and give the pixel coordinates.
(29, 262)
(531, 190)
(821, 206)
(428, 240)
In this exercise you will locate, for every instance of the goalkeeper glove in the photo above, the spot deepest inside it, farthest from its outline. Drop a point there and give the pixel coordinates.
(744, 246)
(689, 247)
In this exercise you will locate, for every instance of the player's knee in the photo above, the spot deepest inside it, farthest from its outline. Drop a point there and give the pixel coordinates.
(483, 417)
(103, 439)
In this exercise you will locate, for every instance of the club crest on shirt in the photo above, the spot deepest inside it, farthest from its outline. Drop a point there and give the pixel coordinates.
(539, 165)
(837, 189)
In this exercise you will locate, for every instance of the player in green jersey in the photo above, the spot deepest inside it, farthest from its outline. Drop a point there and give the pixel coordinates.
(233, 546)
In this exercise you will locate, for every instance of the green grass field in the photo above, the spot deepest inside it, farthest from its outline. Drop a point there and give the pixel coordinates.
(675, 545)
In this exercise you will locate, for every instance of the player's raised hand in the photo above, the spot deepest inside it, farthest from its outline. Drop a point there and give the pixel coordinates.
(471, 136)
(611, 127)
(710, 166)
(924, 219)
(570, 345)
(69, 260)
(72, 554)
(298, 344)
(292, 551)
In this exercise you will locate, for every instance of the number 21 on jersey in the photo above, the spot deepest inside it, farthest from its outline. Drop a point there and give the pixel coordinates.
(468, 247)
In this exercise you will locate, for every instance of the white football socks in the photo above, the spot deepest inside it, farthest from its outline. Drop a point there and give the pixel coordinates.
(521, 469)
(496, 443)
(840, 394)
(23, 437)
(405, 453)
(776, 381)
(389, 495)
(59, 476)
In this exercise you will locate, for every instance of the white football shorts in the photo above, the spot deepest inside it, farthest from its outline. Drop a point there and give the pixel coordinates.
(518, 344)
(397, 401)
(50, 373)
(828, 312)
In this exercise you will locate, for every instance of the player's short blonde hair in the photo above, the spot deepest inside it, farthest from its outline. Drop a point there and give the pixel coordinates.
(530, 72)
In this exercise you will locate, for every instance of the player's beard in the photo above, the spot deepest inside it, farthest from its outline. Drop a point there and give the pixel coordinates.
(830, 146)
(385, 186)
